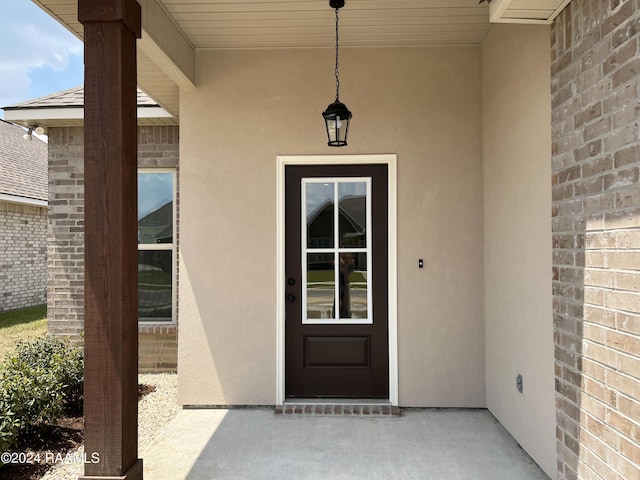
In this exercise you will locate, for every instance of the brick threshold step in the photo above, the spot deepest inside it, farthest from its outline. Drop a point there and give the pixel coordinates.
(336, 410)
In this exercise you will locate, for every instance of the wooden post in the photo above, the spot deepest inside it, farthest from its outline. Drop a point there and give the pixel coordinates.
(111, 257)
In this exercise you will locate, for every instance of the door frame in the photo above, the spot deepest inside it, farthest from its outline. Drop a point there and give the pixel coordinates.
(282, 162)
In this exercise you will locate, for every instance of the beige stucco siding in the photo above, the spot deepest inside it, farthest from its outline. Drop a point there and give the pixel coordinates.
(517, 181)
(423, 104)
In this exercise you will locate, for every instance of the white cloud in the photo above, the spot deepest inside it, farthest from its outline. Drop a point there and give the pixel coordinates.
(31, 40)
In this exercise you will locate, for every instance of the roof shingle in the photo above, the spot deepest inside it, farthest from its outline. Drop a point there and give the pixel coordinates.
(73, 97)
(23, 164)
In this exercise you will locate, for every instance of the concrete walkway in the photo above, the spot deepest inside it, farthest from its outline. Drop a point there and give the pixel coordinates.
(252, 444)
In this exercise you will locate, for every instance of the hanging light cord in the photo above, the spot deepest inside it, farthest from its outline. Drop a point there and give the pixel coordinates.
(337, 57)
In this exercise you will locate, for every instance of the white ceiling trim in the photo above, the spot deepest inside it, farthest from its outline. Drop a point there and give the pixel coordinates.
(526, 11)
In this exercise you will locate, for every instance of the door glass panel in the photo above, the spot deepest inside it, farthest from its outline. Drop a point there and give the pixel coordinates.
(321, 285)
(320, 214)
(352, 205)
(353, 285)
(336, 250)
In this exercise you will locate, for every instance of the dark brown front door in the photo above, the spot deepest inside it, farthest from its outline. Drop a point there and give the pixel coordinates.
(336, 264)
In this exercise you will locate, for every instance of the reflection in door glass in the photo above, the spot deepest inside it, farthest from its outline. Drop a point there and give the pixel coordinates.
(320, 285)
(320, 221)
(336, 253)
(353, 285)
(352, 205)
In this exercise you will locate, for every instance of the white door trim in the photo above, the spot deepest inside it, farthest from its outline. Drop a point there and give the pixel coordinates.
(391, 161)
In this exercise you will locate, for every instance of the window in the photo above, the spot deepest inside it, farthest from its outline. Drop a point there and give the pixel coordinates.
(336, 250)
(156, 245)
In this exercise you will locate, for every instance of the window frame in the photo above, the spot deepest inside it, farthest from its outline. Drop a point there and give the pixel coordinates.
(149, 321)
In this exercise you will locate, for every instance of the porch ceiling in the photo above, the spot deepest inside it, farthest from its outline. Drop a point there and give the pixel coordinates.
(250, 24)
(311, 23)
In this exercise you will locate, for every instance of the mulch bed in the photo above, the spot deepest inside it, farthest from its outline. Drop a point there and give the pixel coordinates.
(52, 447)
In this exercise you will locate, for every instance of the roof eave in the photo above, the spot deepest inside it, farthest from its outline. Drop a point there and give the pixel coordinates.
(4, 197)
(74, 116)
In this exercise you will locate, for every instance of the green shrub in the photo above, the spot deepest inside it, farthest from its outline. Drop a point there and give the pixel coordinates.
(63, 360)
(9, 426)
(38, 383)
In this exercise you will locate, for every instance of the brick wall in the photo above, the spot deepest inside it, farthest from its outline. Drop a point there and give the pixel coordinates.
(23, 256)
(158, 350)
(596, 238)
(65, 240)
(158, 146)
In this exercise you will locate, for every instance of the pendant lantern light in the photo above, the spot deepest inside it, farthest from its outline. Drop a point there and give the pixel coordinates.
(337, 116)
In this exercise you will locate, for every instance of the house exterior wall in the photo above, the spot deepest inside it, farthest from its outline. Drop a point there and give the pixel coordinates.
(517, 257)
(423, 104)
(596, 238)
(157, 147)
(65, 232)
(23, 256)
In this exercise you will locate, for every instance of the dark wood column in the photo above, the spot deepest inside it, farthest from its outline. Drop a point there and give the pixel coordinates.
(111, 258)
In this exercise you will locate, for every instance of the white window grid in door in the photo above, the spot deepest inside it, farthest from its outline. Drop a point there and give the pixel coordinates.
(336, 250)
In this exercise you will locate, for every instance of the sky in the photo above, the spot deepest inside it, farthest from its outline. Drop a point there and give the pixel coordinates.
(154, 191)
(38, 56)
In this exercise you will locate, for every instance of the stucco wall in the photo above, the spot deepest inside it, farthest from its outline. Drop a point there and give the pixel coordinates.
(424, 104)
(517, 259)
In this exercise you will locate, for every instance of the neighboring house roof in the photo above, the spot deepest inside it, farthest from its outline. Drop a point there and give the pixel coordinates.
(73, 97)
(352, 217)
(157, 226)
(353, 208)
(23, 166)
(66, 108)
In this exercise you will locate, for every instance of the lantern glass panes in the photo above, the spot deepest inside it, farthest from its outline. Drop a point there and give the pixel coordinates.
(337, 117)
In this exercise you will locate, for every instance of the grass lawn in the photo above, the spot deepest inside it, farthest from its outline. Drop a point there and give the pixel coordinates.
(328, 277)
(24, 324)
(154, 280)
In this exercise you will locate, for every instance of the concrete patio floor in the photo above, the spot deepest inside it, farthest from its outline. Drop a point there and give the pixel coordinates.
(254, 444)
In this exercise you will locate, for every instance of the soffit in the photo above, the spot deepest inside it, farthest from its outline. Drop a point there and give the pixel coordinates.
(251, 24)
(311, 23)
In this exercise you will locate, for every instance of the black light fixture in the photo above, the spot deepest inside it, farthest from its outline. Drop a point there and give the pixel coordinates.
(337, 116)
